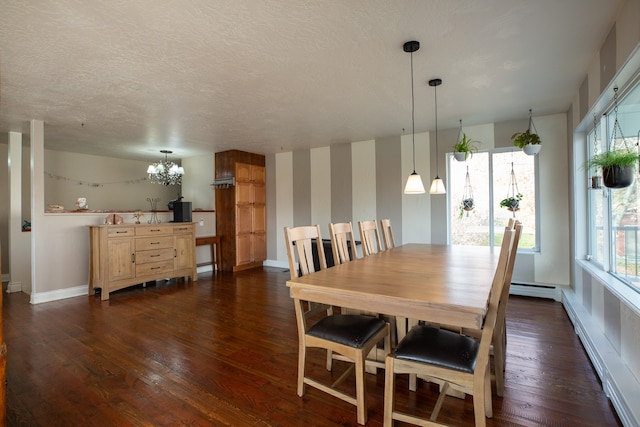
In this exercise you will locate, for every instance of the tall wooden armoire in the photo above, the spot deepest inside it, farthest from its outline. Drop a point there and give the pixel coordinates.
(240, 209)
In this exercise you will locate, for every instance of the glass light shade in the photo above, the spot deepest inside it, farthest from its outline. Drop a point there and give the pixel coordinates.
(414, 184)
(173, 170)
(151, 169)
(437, 186)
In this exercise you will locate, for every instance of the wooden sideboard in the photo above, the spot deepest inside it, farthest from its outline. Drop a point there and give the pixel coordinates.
(128, 254)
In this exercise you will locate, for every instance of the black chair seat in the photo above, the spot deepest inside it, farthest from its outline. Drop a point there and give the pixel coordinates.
(348, 329)
(439, 347)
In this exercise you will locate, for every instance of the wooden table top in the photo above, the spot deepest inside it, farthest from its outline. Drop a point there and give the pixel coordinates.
(439, 283)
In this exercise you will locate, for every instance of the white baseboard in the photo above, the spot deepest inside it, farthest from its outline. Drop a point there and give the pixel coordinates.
(14, 287)
(618, 382)
(42, 297)
(536, 290)
(275, 263)
(204, 268)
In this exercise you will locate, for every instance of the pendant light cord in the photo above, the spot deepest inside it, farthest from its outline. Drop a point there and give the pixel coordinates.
(436, 99)
(413, 126)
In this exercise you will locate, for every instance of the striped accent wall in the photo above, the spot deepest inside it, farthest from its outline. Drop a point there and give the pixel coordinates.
(346, 182)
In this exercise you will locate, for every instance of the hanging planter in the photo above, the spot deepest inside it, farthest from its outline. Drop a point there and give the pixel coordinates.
(617, 176)
(617, 165)
(528, 141)
(467, 203)
(465, 147)
(512, 201)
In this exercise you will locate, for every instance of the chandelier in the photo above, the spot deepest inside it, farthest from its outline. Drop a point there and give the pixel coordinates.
(165, 172)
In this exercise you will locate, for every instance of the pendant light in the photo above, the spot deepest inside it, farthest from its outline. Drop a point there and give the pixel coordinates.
(437, 186)
(414, 182)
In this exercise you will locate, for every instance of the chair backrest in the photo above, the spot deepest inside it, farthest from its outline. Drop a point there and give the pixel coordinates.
(387, 233)
(498, 283)
(343, 243)
(368, 235)
(299, 241)
(517, 231)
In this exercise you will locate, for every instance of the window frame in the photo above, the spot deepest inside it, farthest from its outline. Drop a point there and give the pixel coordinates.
(451, 204)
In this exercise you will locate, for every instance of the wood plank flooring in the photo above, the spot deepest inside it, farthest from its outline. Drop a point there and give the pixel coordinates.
(223, 352)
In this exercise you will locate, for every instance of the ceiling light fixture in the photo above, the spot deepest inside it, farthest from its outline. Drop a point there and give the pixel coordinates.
(414, 182)
(437, 186)
(165, 172)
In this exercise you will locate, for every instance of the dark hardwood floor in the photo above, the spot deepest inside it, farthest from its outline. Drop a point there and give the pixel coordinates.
(223, 351)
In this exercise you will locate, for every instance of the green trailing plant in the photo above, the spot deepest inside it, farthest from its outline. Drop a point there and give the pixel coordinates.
(466, 145)
(521, 139)
(511, 202)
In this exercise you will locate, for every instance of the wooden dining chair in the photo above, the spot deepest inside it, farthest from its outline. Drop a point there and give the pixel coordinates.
(457, 361)
(369, 237)
(387, 233)
(352, 336)
(343, 243)
(499, 342)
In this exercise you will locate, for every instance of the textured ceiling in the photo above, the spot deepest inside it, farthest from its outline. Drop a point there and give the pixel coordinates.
(127, 78)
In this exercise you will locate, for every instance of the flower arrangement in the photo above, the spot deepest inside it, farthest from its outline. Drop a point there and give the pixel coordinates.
(137, 215)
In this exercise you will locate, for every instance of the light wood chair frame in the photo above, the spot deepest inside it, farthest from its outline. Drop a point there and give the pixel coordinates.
(303, 237)
(341, 237)
(369, 236)
(477, 383)
(307, 311)
(387, 233)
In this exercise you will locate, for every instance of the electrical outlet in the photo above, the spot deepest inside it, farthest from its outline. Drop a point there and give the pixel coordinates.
(201, 222)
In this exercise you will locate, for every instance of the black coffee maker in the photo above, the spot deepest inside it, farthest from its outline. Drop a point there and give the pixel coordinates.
(181, 210)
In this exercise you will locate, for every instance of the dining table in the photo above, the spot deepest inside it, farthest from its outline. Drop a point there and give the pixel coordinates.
(444, 284)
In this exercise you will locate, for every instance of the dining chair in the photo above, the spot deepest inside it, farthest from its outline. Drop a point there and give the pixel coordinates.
(458, 361)
(351, 335)
(387, 233)
(369, 237)
(499, 342)
(343, 243)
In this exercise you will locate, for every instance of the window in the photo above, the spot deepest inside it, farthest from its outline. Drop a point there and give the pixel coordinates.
(613, 212)
(490, 179)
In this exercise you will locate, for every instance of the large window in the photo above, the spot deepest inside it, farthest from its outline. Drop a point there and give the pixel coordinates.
(494, 175)
(614, 227)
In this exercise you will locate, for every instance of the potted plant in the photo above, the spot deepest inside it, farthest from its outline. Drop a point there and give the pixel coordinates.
(512, 203)
(465, 148)
(467, 205)
(617, 167)
(527, 141)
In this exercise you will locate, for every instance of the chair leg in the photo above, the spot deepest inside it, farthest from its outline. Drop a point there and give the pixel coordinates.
(389, 391)
(301, 361)
(361, 403)
(479, 402)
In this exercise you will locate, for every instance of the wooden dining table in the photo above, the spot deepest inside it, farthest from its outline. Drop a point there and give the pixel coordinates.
(445, 284)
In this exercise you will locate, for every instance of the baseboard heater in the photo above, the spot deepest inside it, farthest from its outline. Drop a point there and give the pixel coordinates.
(535, 290)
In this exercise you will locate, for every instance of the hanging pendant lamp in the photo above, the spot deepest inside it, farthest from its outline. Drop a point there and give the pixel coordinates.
(437, 186)
(414, 182)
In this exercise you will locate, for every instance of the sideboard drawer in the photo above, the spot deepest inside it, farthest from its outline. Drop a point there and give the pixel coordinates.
(154, 268)
(154, 230)
(155, 255)
(182, 229)
(159, 242)
(121, 232)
